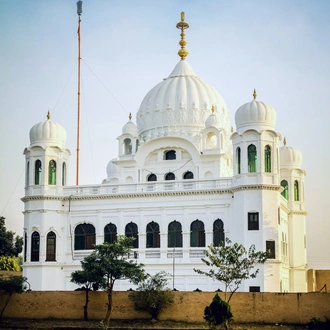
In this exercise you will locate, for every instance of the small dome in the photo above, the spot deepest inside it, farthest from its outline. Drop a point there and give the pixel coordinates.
(180, 103)
(255, 115)
(112, 169)
(212, 120)
(47, 133)
(130, 127)
(290, 157)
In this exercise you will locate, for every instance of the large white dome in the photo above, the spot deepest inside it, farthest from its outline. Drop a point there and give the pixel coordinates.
(47, 133)
(255, 115)
(180, 105)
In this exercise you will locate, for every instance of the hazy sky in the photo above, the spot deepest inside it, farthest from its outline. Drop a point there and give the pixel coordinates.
(281, 48)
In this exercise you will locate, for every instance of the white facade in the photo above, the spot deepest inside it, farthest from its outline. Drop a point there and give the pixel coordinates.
(182, 179)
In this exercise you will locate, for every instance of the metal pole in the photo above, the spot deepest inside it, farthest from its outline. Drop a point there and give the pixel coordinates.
(78, 123)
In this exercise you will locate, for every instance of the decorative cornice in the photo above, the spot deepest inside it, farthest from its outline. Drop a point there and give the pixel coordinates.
(128, 195)
(298, 213)
(257, 187)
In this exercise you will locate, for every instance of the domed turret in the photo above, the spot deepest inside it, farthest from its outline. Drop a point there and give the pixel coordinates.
(47, 133)
(255, 115)
(290, 157)
(212, 120)
(130, 127)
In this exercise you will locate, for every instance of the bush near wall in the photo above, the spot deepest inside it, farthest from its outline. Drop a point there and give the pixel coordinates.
(259, 307)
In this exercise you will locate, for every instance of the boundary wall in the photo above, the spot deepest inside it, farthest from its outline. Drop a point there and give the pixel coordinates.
(258, 307)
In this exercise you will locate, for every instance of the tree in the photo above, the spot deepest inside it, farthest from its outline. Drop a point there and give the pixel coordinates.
(231, 264)
(11, 285)
(111, 264)
(217, 313)
(9, 244)
(90, 277)
(152, 295)
(9, 263)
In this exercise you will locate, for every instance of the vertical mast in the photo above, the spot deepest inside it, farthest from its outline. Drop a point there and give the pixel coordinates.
(79, 12)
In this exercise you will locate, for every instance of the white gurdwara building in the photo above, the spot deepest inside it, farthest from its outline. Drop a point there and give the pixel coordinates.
(182, 180)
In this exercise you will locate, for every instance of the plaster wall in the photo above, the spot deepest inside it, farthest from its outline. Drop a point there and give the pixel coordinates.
(188, 306)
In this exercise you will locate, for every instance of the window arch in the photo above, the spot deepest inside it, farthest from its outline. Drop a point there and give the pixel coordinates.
(268, 159)
(137, 144)
(127, 146)
(37, 172)
(52, 172)
(153, 237)
(238, 160)
(110, 233)
(197, 234)
(188, 175)
(25, 246)
(51, 246)
(218, 233)
(131, 230)
(84, 237)
(35, 246)
(285, 192)
(252, 158)
(296, 190)
(211, 141)
(63, 174)
(170, 154)
(152, 177)
(27, 177)
(174, 237)
(170, 176)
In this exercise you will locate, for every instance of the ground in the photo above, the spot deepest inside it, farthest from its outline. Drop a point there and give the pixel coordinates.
(131, 325)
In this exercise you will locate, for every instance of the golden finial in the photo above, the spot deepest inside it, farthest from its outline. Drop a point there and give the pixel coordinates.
(182, 25)
(232, 129)
(284, 141)
(130, 116)
(254, 94)
(213, 109)
(48, 115)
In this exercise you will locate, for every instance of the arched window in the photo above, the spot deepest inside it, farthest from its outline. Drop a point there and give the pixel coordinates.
(27, 177)
(238, 160)
(35, 246)
(285, 192)
(170, 176)
(252, 158)
(84, 237)
(25, 246)
(188, 175)
(211, 141)
(110, 233)
(268, 159)
(137, 145)
(218, 233)
(52, 172)
(131, 230)
(174, 234)
(270, 249)
(197, 234)
(127, 147)
(51, 247)
(169, 155)
(152, 177)
(153, 237)
(296, 190)
(37, 172)
(64, 174)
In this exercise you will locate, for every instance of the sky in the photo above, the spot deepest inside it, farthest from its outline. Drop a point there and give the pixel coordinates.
(281, 48)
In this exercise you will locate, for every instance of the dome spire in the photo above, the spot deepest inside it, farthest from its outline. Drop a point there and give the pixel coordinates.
(182, 25)
(48, 115)
(254, 94)
(130, 116)
(284, 142)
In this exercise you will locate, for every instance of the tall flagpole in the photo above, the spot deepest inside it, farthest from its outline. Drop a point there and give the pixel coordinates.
(79, 12)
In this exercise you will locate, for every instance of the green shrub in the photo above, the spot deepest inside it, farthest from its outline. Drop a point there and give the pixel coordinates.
(218, 313)
(9, 263)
